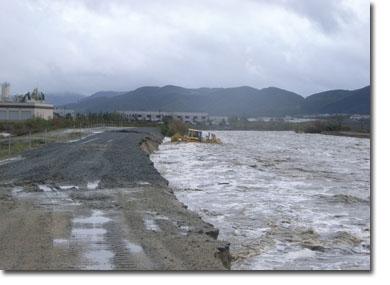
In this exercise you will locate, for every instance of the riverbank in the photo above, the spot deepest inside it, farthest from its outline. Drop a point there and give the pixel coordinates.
(99, 204)
(348, 134)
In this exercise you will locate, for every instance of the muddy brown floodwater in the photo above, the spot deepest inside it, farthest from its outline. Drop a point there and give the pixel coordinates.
(99, 204)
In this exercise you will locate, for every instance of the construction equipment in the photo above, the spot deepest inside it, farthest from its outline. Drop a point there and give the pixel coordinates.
(196, 136)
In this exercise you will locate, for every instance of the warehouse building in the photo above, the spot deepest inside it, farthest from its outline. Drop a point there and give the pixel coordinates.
(187, 117)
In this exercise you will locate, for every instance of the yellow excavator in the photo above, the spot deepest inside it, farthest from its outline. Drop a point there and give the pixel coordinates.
(196, 136)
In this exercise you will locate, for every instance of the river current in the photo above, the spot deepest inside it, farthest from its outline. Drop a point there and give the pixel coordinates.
(284, 201)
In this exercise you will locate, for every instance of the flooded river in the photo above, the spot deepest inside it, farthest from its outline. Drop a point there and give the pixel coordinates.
(285, 201)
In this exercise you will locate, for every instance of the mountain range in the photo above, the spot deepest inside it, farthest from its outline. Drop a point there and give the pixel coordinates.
(59, 99)
(238, 101)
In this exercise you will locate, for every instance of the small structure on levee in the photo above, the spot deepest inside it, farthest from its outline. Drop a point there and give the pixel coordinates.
(196, 136)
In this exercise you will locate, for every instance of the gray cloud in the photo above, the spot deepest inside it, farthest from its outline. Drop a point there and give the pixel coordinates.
(326, 15)
(85, 46)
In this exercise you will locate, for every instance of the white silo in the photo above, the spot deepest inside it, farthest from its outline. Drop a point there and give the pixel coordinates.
(5, 91)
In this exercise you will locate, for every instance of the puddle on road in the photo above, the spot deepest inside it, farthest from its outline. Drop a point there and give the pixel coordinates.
(95, 219)
(133, 247)
(61, 243)
(150, 219)
(89, 233)
(100, 259)
(156, 215)
(47, 197)
(150, 224)
(183, 229)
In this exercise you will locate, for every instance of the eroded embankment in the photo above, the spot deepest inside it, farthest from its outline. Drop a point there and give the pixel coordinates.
(99, 204)
(150, 144)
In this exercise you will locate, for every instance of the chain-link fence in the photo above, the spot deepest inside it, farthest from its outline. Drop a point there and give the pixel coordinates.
(11, 145)
(15, 144)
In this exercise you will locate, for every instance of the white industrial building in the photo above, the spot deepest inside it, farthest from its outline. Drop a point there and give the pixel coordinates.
(23, 107)
(11, 111)
(217, 120)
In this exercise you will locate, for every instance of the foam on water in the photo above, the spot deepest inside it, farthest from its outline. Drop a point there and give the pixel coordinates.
(93, 185)
(69, 187)
(45, 188)
(280, 197)
(17, 189)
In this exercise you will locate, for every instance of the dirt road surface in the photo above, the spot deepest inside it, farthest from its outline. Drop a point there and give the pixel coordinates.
(99, 204)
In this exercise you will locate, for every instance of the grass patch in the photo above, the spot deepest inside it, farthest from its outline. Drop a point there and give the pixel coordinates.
(17, 147)
(173, 127)
(23, 143)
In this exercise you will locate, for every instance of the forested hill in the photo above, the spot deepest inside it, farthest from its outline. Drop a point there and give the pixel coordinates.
(238, 101)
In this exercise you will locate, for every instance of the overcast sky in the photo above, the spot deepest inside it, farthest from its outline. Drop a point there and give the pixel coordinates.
(305, 46)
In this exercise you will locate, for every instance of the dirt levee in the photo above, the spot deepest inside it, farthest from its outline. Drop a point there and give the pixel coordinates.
(99, 204)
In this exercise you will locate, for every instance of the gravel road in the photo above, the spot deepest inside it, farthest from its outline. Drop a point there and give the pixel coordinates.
(99, 204)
